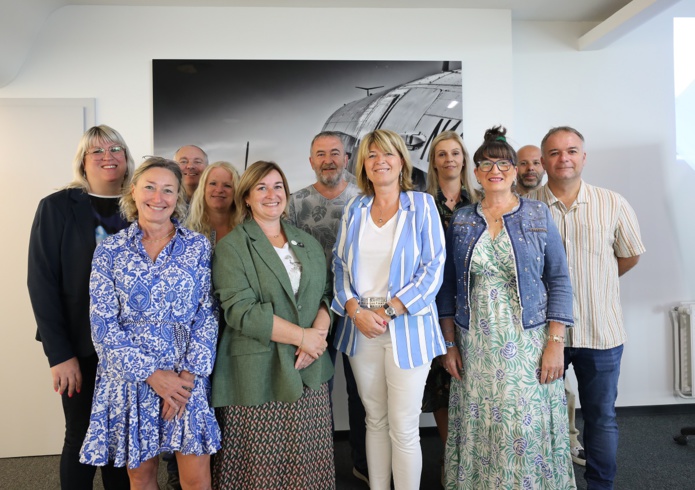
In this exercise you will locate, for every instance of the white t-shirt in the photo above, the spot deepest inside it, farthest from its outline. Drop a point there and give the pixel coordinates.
(376, 247)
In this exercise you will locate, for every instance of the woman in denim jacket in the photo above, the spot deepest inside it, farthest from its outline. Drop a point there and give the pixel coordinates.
(507, 287)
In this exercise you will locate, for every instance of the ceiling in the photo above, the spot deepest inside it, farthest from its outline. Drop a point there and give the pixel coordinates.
(547, 10)
(22, 20)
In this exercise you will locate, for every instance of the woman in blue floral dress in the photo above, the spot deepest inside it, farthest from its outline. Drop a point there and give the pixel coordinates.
(507, 288)
(155, 331)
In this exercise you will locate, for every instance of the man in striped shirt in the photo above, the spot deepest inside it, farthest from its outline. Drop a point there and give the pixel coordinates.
(602, 241)
(529, 177)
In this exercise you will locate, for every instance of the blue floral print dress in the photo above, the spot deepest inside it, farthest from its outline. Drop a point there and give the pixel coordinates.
(146, 316)
(506, 430)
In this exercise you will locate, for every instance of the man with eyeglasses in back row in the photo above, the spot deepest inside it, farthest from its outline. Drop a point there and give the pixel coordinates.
(192, 160)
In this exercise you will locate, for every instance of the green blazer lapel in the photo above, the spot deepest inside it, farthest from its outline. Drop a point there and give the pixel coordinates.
(266, 252)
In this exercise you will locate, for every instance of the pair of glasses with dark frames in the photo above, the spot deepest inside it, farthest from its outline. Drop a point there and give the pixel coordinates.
(502, 165)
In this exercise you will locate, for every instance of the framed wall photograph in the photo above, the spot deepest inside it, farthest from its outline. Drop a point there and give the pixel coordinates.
(248, 110)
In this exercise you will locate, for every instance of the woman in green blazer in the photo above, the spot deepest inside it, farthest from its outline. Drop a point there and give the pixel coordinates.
(271, 376)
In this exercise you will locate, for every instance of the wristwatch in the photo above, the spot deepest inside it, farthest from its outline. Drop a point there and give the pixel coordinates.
(390, 311)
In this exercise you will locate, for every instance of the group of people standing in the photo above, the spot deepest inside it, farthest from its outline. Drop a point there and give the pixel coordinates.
(458, 301)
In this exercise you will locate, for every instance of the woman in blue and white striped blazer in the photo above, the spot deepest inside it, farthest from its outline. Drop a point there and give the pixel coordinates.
(388, 264)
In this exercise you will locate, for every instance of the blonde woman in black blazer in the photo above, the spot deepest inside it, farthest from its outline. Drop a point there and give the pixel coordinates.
(66, 228)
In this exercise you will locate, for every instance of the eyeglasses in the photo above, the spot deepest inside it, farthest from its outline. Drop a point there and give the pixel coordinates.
(98, 153)
(502, 165)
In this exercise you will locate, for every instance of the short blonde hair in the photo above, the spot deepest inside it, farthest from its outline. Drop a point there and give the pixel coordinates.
(433, 175)
(198, 218)
(249, 179)
(386, 141)
(128, 208)
(97, 135)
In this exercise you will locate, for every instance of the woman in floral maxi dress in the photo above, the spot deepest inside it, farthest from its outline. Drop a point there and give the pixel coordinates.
(507, 288)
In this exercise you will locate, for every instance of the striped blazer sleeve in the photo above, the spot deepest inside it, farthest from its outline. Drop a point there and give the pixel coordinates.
(419, 264)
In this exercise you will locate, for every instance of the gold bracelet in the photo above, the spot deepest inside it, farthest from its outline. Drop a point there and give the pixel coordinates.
(302, 342)
(556, 338)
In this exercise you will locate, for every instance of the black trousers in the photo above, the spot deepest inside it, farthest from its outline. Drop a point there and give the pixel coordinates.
(73, 474)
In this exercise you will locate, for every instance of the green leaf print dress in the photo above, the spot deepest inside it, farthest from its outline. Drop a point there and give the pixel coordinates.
(506, 430)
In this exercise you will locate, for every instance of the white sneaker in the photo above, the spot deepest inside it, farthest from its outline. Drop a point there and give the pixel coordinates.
(578, 456)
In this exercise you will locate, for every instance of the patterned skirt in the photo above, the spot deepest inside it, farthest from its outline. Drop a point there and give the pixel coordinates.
(277, 445)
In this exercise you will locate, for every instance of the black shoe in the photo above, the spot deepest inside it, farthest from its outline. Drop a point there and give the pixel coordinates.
(361, 475)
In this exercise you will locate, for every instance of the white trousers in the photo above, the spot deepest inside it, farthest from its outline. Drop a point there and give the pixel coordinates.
(392, 398)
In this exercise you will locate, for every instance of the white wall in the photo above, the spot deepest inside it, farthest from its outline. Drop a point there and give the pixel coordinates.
(526, 75)
(29, 400)
(106, 53)
(621, 98)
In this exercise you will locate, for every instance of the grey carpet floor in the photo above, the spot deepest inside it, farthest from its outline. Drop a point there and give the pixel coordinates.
(648, 459)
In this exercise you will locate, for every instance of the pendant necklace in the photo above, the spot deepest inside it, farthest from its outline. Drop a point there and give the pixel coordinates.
(155, 240)
(493, 216)
(449, 199)
(381, 214)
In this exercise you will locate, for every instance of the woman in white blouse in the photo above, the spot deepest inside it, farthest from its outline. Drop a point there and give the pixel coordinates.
(388, 263)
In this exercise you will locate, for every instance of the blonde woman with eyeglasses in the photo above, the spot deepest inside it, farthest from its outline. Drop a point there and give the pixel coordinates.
(67, 228)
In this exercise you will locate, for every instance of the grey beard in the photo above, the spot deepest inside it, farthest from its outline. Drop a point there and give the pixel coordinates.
(330, 182)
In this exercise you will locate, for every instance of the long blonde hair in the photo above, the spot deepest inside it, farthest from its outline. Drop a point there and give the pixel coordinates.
(433, 175)
(198, 218)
